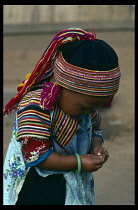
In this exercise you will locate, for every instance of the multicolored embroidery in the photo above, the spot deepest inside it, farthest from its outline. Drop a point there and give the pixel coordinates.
(63, 126)
(31, 98)
(33, 148)
(32, 120)
(96, 122)
(35, 127)
(86, 81)
(95, 119)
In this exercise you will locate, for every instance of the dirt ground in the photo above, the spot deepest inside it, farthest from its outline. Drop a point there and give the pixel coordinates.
(114, 182)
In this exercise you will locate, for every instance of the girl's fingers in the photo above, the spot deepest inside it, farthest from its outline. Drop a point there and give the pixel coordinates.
(106, 155)
(99, 166)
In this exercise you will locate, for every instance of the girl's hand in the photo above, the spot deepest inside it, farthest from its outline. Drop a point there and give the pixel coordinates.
(98, 149)
(105, 153)
(101, 151)
(91, 163)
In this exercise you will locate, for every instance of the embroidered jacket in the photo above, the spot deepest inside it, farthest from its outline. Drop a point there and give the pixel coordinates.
(36, 134)
(36, 130)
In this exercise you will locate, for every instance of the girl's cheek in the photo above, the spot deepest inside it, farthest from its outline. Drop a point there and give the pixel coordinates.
(73, 112)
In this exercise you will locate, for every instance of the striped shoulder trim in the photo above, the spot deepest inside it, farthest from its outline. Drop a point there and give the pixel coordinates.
(63, 126)
(95, 118)
(31, 98)
(34, 122)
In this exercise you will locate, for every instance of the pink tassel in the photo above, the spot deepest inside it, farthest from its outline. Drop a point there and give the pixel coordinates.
(48, 96)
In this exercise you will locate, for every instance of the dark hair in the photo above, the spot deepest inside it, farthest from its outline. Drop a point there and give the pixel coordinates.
(93, 55)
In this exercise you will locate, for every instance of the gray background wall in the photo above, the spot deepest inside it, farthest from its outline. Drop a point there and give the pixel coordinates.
(47, 18)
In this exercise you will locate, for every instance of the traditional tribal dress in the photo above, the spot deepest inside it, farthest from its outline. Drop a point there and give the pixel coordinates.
(36, 134)
(40, 129)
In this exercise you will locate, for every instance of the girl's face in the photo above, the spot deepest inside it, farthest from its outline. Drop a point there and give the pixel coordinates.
(75, 104)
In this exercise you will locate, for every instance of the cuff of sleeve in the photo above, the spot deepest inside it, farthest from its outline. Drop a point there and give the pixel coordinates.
(98, 136)
(40, 159)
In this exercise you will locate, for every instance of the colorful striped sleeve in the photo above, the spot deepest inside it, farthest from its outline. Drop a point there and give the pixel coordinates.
(33, 130)
(34, 122)
(96, 124)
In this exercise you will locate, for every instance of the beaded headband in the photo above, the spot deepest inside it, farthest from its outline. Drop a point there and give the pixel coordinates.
(85, 81)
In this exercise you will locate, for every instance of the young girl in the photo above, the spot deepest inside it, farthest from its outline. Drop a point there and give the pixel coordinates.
(57, 140)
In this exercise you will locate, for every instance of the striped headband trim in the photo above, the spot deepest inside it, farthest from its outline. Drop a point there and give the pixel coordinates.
(85, 81)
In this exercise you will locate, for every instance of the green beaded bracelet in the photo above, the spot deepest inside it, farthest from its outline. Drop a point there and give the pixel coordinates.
(79, 163)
